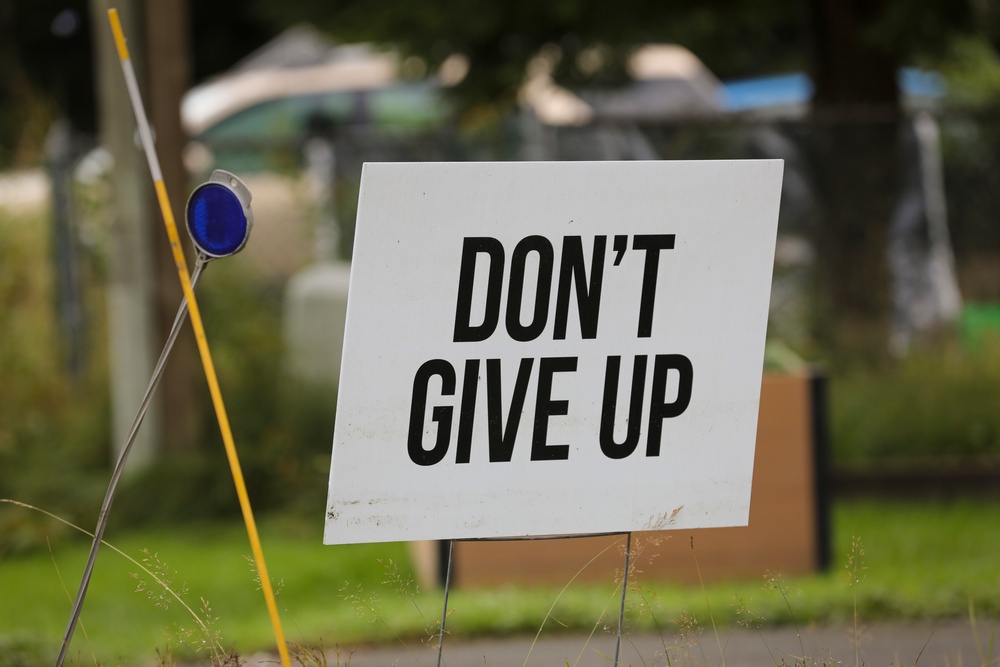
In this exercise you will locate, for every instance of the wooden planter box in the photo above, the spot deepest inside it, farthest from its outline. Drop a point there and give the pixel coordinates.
(788, 531)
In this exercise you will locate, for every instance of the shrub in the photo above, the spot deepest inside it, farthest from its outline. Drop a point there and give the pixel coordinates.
(54, 431)
(935, 404)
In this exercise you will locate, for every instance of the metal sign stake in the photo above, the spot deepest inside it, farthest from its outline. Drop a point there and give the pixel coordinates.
(621, 608)
(444, 609)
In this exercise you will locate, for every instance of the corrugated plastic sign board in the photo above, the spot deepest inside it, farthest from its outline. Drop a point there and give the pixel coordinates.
(552, 348)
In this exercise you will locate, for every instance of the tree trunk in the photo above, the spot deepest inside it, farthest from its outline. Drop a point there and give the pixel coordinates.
(168, 65)
(855, 116)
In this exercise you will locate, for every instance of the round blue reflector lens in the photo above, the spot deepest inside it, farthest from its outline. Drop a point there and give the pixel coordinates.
(216, 220)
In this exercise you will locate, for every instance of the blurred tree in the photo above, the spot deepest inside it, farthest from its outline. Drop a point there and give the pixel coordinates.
(42, 74)
(735, 38)
(853, 50)
(167, 43)
(499, 38)
(223, 32)
(47, 63)
(856, 49)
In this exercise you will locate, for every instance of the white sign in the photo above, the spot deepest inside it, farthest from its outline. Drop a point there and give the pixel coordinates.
(552, 348)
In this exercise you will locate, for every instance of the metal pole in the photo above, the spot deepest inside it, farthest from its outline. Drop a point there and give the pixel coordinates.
(621, 608)
(109, 496)
(444, 610)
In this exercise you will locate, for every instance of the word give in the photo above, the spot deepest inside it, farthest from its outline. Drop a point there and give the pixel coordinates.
(502, 430)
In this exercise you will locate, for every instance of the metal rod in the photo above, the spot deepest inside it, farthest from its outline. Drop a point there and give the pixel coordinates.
(109, 496)
(621, 608)
(444, 610)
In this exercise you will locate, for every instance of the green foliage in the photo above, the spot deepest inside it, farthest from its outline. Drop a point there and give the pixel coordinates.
(282, 429)
(935, 404)
(17, 651)
(911, 29)
(195, 486)
(53, 428)
(47, 63)
(55, 439)
(282, 426)
(972, 68)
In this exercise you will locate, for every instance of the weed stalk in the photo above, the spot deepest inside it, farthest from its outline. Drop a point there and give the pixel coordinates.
(856, 568)
(711, 617)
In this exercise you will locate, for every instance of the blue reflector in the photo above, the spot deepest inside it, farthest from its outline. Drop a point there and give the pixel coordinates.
(216, 220)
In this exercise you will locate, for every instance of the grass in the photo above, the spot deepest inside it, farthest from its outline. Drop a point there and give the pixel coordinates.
(920, 561)
(201, 562)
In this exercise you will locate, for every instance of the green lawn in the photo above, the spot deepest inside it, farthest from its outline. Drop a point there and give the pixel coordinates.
(920, 560)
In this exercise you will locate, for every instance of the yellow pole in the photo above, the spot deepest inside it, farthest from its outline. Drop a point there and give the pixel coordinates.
(199, 332)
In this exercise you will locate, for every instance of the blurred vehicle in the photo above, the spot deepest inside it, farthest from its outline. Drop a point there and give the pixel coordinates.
(788, 95)
(258, 114)
(299, 85)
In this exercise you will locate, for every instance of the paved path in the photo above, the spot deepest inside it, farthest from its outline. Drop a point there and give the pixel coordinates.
(934, 644)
